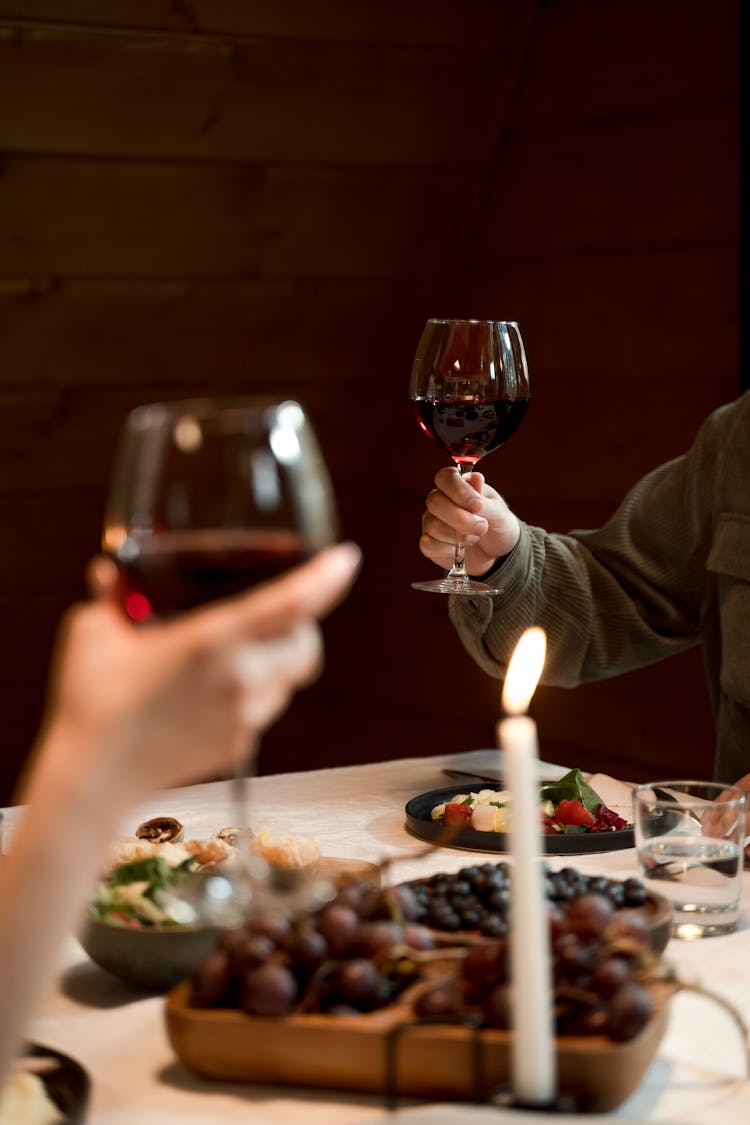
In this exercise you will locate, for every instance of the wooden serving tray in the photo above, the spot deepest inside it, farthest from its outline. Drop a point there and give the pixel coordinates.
(381, 1053)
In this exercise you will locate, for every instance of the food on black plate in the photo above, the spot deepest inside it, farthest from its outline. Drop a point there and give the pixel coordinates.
(568, 806)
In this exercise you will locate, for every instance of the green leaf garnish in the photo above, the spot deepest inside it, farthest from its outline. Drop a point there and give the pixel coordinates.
(570, 787)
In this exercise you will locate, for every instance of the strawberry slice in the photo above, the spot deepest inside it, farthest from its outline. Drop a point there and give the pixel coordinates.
(573, 812)
(457, 815)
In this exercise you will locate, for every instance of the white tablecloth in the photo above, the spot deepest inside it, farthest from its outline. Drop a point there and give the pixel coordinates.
(117, 1034)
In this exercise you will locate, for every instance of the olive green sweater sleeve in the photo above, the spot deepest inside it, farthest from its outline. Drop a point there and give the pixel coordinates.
(614, 599)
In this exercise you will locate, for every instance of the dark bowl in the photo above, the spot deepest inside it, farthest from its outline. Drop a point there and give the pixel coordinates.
(66, 1082)
(155, 957)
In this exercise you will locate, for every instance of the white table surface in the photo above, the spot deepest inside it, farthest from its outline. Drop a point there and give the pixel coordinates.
(117, 1033)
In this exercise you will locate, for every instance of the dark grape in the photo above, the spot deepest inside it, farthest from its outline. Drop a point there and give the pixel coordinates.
(493, 925)
(398, 903)
(269, 990)
(498, 900)
(252, 951)
(589, 913)
(418, 937)
(574, 953)
(307, 948)
(359, 983)
(275, 927)
(352, 894)
(585, 1020)
(443, 1001)
(486, 964)
(632, 929)
(211, 980)
(616, 894)
(339, 926)
(379, 937)
(635, 892)
(629, 1011)
(608, 976)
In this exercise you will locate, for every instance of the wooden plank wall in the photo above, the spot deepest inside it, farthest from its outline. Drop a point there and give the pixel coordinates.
(219, 196)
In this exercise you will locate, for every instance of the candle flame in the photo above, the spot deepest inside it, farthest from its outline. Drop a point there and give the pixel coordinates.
(524, 671)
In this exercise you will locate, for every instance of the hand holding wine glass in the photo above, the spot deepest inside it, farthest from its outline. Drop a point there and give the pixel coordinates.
(469, 391)
(210, 497)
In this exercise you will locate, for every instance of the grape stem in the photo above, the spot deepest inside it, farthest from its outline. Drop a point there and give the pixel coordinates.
(670, 977)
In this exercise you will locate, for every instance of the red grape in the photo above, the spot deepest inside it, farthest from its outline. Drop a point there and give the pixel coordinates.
(269, 990)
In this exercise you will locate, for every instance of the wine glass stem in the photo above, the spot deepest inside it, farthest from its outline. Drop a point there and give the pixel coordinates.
(458, 570)
(240, 800)
(252, 868)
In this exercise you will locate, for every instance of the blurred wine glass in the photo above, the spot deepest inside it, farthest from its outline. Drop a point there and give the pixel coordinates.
(469, 391)
(209, 497)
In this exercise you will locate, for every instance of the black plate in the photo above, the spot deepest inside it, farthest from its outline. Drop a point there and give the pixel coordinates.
(420, 823)
(67, 1084)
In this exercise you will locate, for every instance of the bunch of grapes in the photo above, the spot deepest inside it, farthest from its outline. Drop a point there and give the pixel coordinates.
(355, 954)
(362, 950)
(602, 964)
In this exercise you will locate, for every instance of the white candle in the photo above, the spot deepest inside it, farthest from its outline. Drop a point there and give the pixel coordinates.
(533, 1062)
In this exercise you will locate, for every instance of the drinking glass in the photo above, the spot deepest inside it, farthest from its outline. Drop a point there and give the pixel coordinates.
(469, 391)
(209, 497)
(689, 837)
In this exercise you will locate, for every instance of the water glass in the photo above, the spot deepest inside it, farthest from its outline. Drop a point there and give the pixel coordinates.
(689, 838)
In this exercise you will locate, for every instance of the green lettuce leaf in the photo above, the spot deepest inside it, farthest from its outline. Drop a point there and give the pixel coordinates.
(570, 787)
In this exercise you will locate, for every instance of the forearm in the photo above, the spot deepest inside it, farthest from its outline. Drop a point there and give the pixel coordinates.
(45, 880)
(610, 600)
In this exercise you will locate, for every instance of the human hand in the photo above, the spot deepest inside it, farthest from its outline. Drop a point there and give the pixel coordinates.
(135, 709)
(467, 506)
(744, 785)
(723, 822)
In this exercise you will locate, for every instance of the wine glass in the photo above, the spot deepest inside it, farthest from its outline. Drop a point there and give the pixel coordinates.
(207, 498)
(469, 391)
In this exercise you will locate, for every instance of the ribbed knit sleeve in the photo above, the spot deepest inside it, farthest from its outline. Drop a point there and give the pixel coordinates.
(614, 599)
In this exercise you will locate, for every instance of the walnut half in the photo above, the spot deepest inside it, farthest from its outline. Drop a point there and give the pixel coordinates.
(160, 830)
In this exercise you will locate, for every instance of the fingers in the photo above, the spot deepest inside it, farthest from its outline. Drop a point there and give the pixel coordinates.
(444, 518)
(450, 514)
(293, 659)
(102, 577)
(744, 784)
(270, 671)
(309, 591)
(464, 491)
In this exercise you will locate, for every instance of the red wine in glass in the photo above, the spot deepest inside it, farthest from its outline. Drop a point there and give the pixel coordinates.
(468, 431)
(175, 571)
(210, 497)
(469, 393)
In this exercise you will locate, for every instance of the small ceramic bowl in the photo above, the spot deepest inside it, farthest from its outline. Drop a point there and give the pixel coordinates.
(152, 956)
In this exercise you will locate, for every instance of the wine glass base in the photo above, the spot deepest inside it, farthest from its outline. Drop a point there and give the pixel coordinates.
(466, 586)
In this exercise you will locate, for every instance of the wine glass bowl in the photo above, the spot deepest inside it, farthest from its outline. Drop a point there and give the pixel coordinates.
(211, 496)
(469, 391)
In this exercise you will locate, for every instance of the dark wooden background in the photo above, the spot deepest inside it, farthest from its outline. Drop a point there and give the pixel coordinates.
(236, 196)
